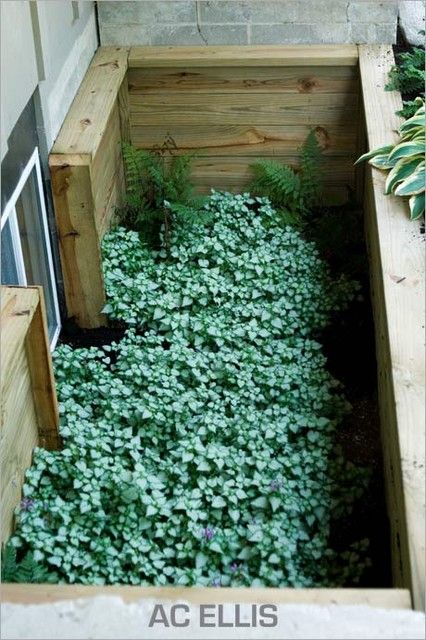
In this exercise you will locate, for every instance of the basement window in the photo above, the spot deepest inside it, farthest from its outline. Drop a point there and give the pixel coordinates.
(26, 255)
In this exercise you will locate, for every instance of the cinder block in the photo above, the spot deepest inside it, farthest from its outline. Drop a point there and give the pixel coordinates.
(124, 34)
(190, 35)
(115, 13)
(281, 34)
(321, 11)
(373, 12)
(412, 20)
(273, 12)
(147, 12)
(171, 11)
(329, 33)
(225, 34)
(219, 11)
(363, 33)
(386, 33)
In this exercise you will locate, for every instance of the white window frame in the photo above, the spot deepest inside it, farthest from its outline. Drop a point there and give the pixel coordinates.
(9, 213)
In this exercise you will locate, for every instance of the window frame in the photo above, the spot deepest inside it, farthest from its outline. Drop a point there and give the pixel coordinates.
(9, 214)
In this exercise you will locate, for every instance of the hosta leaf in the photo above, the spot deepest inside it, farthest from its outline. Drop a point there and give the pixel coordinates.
(417, 206)
(417, 121)
(382, 162)
(414, 184)
(400, 171)
(376, 152)
(404, 150)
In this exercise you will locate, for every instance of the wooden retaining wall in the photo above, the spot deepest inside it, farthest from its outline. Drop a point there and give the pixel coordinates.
(88, 180)
(233, 105)
(29, 410)
(397, 270)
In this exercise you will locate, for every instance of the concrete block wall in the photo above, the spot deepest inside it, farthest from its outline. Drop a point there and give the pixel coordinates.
(210, 22)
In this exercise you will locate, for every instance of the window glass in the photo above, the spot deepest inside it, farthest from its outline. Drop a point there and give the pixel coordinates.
(9, 270)
(33, 242)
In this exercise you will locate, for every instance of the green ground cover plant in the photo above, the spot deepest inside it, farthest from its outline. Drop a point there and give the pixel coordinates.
(200, 448)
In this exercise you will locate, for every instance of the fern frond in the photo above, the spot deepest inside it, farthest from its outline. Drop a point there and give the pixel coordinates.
(26, 571)
(277, 182)
(153, 178)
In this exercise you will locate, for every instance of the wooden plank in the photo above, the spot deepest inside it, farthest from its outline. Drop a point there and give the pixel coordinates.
(18, 306)
(245, 140)
(42, 377)
(333, 195)
(78, 241)
(229, 171)
(37, 594)
(398, 280)
(243, 109)
(107, 174)
(88, 116)
(28, 399)
(123, 107)
(88, 180)
(213, 80)
(244, 56)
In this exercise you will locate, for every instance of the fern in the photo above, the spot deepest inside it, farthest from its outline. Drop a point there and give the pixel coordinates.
(293, 192)
(158, 192)
(25, 571)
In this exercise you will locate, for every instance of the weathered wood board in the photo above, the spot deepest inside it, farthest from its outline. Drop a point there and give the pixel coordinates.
(245, 56)
(29, 409)
(247, 103)
(239, 79)
(396, 252)
(382, 598)
(88, 180)
(246, 140)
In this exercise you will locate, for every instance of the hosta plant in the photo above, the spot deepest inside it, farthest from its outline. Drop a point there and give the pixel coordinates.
(406, 162)
(200, 449)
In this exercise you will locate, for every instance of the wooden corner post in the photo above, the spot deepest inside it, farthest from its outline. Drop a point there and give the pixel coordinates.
(29, 408)
(88, 181)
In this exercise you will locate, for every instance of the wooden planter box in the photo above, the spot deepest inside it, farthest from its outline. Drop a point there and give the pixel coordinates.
(232, 105)
(29, 409)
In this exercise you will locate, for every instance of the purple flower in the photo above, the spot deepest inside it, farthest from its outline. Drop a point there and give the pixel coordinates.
(27, 504)
(275, 484)
(216, 582)
(234, 567)
(207, 533)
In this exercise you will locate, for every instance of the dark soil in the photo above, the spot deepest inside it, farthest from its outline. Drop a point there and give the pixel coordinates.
(78, 338)
(349, 345)
(350, 348)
